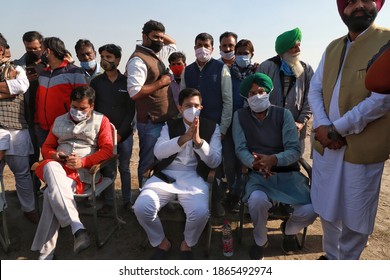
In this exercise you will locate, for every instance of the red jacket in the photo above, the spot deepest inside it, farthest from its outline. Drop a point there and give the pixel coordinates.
(53, 94)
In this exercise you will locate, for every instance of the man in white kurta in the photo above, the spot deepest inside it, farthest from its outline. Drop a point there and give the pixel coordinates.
(185, 153)
(345, 188)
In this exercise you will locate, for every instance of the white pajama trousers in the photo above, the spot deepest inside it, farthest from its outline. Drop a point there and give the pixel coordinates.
(149, 203)
(340, 242)
(59, 208)
(258, 206)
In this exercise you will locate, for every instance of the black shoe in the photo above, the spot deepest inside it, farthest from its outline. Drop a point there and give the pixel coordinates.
(160, 254)
(81, 240)
(128, 206)
(186, 255)
(323, 258)
(290, 242)
(256, 252)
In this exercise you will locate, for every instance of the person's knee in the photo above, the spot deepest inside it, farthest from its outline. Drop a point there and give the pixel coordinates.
(307, 212)
(200, 212)
(145, 208)
(259, 200)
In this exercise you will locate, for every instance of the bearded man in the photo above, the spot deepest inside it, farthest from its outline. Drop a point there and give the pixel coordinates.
(352, 130)
(291, 79)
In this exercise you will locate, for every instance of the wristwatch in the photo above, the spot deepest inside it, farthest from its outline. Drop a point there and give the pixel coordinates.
(332, 133)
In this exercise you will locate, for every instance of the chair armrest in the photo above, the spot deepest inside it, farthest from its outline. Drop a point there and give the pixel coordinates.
(305, 166)
(211, 176)
(95, 168)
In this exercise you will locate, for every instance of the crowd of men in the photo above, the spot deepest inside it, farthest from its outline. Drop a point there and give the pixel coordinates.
(217, 114)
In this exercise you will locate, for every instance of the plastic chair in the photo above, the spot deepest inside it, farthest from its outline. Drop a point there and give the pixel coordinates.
(278, 211)
(4, 238)
(173, 212)
(96, 188)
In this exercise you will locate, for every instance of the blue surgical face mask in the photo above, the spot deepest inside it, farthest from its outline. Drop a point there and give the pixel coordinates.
(88, 65)
(243, 61)
(77, 115)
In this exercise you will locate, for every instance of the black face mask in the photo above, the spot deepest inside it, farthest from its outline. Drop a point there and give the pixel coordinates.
(155, 46)
(44, 59)
(32, 57)
(360, 23)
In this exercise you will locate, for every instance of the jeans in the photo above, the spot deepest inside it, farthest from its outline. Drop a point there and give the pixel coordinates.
(148, 134)
(125, 150)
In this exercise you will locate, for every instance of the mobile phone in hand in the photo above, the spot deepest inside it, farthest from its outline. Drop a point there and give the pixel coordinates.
(62, 156)
(31, 70)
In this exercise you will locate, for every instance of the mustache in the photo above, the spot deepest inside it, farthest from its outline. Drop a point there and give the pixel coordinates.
(365, 13)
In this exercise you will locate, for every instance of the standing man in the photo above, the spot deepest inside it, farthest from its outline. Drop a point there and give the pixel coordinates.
(147, 84)
(14, 136)
(56, 82)
(227, 43)
(212, 78)
(351, 126)
(86, 54)
(32, 63)
(291, 78)
(113, 101)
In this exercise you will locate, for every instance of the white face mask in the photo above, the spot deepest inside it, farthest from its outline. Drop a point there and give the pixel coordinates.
(77, 115)
(190, 114)
(88, 65)
(203, 54)
(259, 103)
(227, 56)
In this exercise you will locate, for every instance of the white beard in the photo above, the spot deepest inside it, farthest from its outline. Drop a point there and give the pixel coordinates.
(294, 62)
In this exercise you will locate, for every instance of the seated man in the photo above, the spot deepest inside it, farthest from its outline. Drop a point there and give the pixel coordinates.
(266, 141)
(76, 141)
(187, 148)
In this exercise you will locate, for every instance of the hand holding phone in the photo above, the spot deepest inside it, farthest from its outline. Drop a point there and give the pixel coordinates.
(30, 70)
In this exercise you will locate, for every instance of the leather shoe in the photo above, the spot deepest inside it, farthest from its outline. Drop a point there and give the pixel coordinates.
(32, 216)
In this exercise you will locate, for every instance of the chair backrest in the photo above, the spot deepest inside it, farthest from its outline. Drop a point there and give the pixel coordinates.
(114, 138)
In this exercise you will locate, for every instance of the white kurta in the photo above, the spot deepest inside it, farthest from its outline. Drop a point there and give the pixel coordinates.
(342, 191)
(187, 182)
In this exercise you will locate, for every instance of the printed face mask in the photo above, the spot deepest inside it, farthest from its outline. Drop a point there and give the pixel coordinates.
(107, 65)
(190, 114)
(203, 54)
(88, 65)
(77, 115)
(259, 103)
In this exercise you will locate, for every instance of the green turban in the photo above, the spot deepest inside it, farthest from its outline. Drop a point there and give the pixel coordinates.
(262, 80)
(287, 40)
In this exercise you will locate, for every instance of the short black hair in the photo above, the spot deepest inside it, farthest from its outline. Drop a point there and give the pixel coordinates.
(80, 93)
(56, 45)
(244, 43)
(31, 36)
(228, 34)
(175, 56)
(203, 37)
(113, 49)
(153, 25)
(83, 43)
(189, 92)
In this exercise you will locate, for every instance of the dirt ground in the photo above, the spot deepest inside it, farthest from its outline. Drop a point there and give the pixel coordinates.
(129, 241)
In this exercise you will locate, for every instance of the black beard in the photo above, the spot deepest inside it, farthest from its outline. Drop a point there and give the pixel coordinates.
(360, 23)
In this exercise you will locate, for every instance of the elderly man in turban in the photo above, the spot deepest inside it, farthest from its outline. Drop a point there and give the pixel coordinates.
(267, 143)
(291, 78)
(351, 126)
